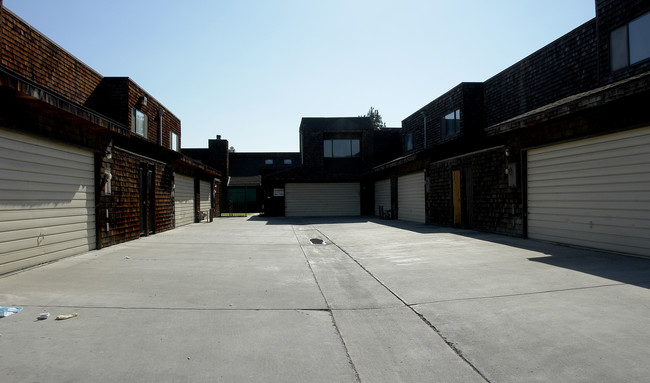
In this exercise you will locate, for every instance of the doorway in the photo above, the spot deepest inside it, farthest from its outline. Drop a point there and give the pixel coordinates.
(457, 198)
(147, 199)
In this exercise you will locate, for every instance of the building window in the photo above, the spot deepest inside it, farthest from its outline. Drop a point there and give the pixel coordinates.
(139, 123)
(288, 162)
(173, 141)
(268, 162)
(630, 44)
(342, 148)
(408, 141)
(451, 124)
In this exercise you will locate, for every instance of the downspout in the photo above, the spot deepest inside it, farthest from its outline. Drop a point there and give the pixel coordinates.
(161, 111)
(425, 129)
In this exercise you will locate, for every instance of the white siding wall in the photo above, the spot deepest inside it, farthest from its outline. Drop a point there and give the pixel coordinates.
(205, 198)
(382, 195)
(184, 200)
(593, 193)
(322, 199)
(47, 201)
(410, 197)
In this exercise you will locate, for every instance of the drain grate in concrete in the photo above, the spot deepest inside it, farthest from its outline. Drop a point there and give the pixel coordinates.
(316, 241)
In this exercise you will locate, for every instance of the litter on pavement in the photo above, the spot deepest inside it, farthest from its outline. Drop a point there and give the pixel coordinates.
(6, 311)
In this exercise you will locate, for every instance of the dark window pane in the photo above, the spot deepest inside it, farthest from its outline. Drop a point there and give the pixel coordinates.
(355, 148)
(327, 148)
(618, 40)
(640, 39)
(341, 148)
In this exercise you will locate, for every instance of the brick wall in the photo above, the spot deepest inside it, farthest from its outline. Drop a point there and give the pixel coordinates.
(170, 122)
(489, 203)
(30, 54)
(123, 202)
(468, 97)
(565, 67)
(314, 130)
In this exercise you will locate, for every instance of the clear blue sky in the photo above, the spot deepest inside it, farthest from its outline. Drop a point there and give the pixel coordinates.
(249, 70)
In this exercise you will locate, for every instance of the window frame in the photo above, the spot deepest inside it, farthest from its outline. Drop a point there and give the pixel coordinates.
(628, 44)
(174, 142)
(145, 123)
(408, 142)
(451, 124)
(332, 151)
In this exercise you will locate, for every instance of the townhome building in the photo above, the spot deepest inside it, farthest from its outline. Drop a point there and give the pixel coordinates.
(554, 147)
(86, 161)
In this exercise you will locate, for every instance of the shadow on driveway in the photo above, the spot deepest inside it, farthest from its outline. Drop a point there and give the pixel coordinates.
(617, 267)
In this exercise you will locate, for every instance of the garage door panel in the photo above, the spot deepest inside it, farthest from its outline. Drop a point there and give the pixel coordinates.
(34, 256)
(37, 186)
(56, 166)
(51, 241)
(570, 158)
(47, 200)
(604, 212)
(205, 191)
(629, 246)
(23, 229)
(21, 206)
(586, 206)
(636, 196)
(27, 151)
(620, 227)
(35, 195)
(410, 197)
(322, 199)
(634, 165)
(37, 214)
(593, 192)
(184, 200)
(586, 180)
(632, 142)
(51, 179)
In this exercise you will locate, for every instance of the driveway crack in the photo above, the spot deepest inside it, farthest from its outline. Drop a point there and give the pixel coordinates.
(450, 344)
(329, 308)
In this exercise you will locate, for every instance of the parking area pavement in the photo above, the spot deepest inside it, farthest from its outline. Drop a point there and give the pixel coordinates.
(329, 300)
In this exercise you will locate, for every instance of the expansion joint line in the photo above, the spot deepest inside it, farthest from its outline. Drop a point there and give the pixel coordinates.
(412, 308)
(329, 308)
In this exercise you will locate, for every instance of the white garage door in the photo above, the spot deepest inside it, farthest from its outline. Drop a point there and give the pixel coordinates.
(184, 200)
(593, 193)
(47, 201)
(322, 199)
(382, 196)
(205, 191)
(410, 197)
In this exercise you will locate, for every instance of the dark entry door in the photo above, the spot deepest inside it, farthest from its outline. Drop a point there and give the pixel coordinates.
(457, 198)
(147, 193)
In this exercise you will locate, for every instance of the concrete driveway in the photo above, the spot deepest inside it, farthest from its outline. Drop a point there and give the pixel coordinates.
(263, 300)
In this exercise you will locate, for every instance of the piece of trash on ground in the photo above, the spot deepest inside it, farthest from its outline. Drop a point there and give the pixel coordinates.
(6, 311)
(67, 316)
(43, 316)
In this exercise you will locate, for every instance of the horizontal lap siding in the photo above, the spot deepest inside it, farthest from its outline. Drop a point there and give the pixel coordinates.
(47, 201)
(593, 193)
